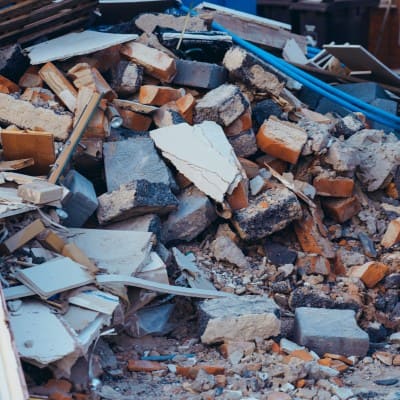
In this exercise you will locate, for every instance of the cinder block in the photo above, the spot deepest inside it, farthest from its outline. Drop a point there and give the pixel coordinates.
(82, 201)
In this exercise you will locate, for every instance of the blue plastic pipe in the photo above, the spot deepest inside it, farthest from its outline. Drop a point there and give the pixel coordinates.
(320, 87)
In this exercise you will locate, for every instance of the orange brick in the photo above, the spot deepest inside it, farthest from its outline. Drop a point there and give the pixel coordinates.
(220, 380)
(391, 191)
(279, 166)
(191, 372)
(226, 349)
(239, 197)
(276, 348)
(31, 78)
(281, 140)
(302, 354)
(370, 273)
(396, 360)
(60, 396)
(185, 106)
(334, 187)
(392, 234)
(158, 95)
(339, 357)
(243, 123)
(145, 366)
(135, 121)
(339, 365)
(51, 241)
(310, 239)
(341, 210)
(325, 361)
(301, 383)
(384, 357)
(8, 86)
(250, 167)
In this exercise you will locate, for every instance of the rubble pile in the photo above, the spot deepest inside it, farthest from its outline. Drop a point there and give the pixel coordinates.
(140, 177)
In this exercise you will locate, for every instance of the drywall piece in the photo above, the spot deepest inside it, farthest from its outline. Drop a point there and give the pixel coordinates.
(159, 287)
(11, 203)
(95, 300)
(79, 318)
(203, 154)
(39, 334)
(12, 379)
(155, 270)
(54, 276)
(357, 58)
(99, 245)
(292, 52)
(74, 44)
(17, 292)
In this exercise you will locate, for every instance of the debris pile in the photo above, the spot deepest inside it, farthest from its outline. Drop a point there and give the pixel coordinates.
(135, 171)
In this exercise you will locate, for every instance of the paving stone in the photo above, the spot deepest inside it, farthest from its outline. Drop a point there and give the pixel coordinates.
(81, 202)
(194, 214)
(134, 199)
(318, 329)
(238, 319)
(267, 213)
(133, 159)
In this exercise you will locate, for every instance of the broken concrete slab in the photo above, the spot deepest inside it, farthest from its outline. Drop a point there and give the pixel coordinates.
(203, 154)
(194, 214)
(236, 318)
(317, 329)
(226, 250)
(135, 198)
(342, 157)
(269, 212)
(82, 201)
(144, 223)
(223, 105)
(245, 67)
(199, 74)
(133, 159)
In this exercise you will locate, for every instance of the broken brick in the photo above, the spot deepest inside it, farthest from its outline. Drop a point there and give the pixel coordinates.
(392, 234)
(341, 210)
(158, 95)
(145, 366)
(370, 273)
(135, 121)
(191, 372)
(334, 187)
(185, 105)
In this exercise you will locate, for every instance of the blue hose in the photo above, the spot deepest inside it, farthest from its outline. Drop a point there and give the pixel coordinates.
(345, 100)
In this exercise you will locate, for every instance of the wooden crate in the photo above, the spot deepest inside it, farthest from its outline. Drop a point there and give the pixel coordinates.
(27, 20)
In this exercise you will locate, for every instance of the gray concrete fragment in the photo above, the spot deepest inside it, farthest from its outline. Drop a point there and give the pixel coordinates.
(269, 212)
(144, 223)
(134, 199)
(81, 202)
(222, 105)
(225, 249)
(318, 136)
(342, 157)
(236, 318)
(194, 214)
(199, 74)
(244, 143)
(379, 155)
(330, 331)
(133, 159)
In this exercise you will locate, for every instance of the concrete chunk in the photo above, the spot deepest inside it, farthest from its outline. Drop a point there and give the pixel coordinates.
(126, 77)
(199, 74)
(330, 331)
(238, 319)
(226, 250)
(269, 212)
(194, 214)
(82, 201)
(244, 143)
(222, 105)
(133, 159)
(133, 199)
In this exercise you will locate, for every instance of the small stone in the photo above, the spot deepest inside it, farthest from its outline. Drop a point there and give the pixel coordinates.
(395, 338)
(384, 357)
(203, 382)
(386, 382)
(145, 366)
(238, 319)
(278, 396)
(224, 249)
(279, 254)
(392, 281)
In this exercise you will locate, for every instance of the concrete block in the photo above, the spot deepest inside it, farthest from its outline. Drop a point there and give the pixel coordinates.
(82, 201)
(269, 212)
(237, 318)
(194, 214)
(222, 105)
(133, 159)
(244, 143)
(330, 331)
(135, 198)
(199, 74)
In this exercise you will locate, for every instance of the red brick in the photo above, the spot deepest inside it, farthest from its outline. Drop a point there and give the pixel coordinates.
(341, 210)
(334, 187)
(145, 366)
(185, 106)
(158, 95)
(239, 198)
(392, 234)
(135, 121)
(370, 273)
(191, 372)
(243, 123)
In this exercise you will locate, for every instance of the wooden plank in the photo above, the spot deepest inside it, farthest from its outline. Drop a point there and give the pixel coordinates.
(20, 7)
(358, 58)
(75, 137)
(159, 287)
(12, 379)
(30, 144)
(16, 165)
